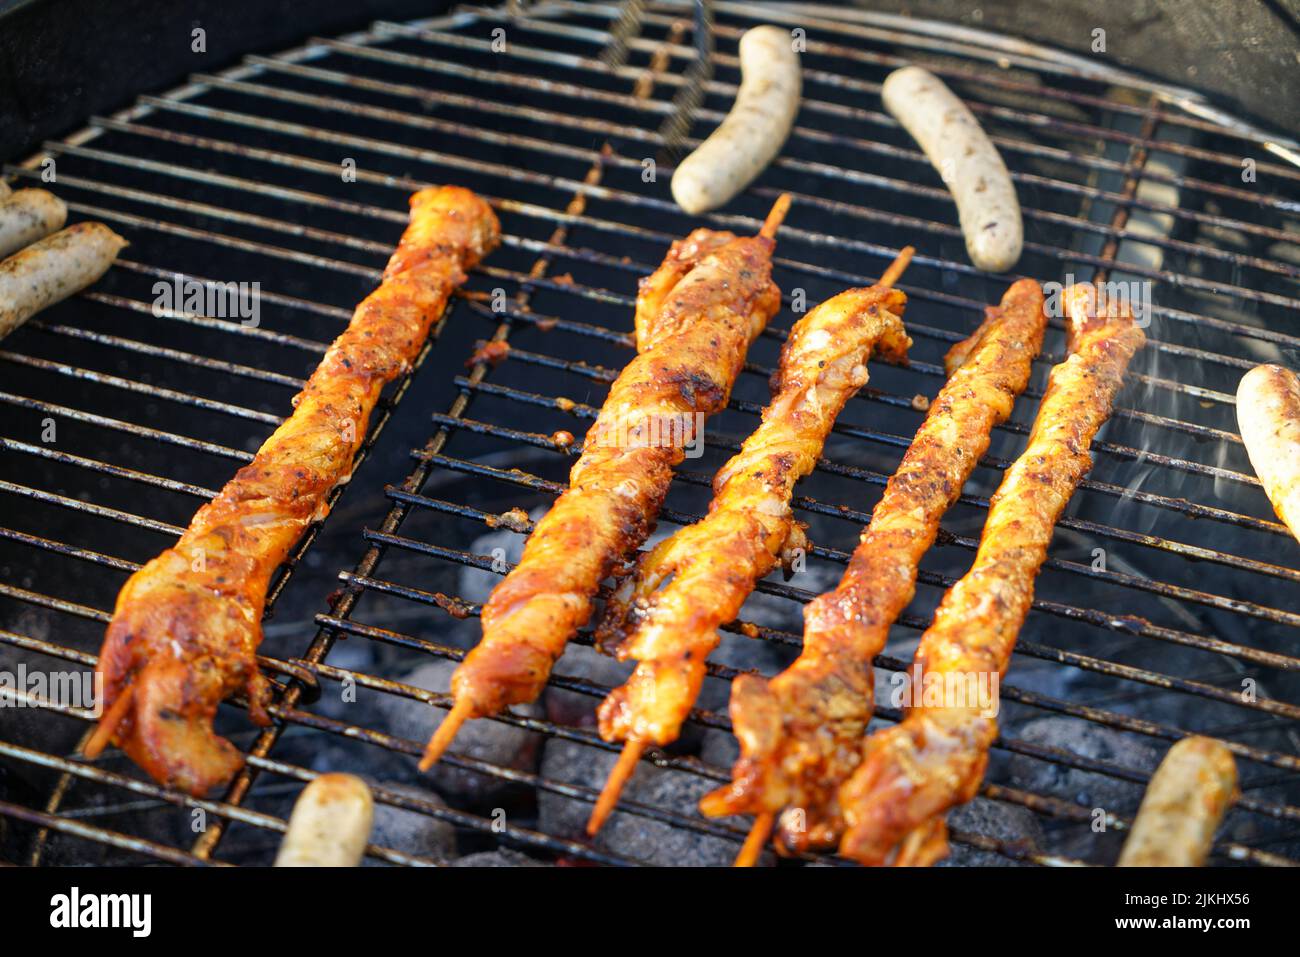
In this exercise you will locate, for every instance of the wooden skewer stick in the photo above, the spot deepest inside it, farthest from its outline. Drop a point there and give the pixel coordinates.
(753, 845)
(890, 275)
(763, 823)
(614, 784)
(775, 217)
(460, 712)
(442, 738)
(108, 723)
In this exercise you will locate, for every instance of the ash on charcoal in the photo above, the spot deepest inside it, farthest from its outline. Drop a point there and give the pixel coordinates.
(630, 835)
(345, 756)
(501, 543)
(489, 740)
(1002, 822)
(719, 748)
(1084, 788)
(756, 654)
(575, 709)
(501, 858)
(410, 831)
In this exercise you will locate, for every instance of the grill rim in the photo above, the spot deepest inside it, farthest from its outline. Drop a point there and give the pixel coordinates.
(202, 852)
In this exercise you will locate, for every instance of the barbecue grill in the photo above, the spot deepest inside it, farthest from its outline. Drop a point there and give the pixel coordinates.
(1168, 605)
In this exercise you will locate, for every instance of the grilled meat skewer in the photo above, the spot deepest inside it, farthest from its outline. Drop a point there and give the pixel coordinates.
(935, 758)
(715, 563)
(187, 625)
(801, 732)
(696, 316)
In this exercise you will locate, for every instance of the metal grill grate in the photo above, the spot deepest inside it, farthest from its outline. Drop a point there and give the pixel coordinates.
(1168, 604)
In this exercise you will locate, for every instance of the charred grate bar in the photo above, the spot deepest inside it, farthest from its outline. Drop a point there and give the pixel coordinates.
(1167, 606)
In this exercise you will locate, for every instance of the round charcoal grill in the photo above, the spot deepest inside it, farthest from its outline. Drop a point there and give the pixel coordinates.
(1168, 605)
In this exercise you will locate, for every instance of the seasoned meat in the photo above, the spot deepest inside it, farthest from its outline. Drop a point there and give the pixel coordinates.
(185, 632)
(800, 733)
(696, 317)
(667, 615)
(913, 772)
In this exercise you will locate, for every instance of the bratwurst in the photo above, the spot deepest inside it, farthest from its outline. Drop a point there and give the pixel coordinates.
(1268, 413)
(755, 129)
(969, 163)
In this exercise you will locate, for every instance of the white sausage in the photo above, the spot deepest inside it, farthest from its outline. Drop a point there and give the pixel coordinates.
(29, 215)
(755, 129)
(53, 269)
(1268, 413)
(330, 824)
(970, 164)
(1184, 804)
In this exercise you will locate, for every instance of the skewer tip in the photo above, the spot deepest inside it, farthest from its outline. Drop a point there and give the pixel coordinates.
(108, 722)
(890, 275)
(775, 217)
(446, 732)
(753, 845)
(614, 785)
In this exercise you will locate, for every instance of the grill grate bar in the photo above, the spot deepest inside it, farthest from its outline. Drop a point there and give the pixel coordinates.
(1035, 121)
(902, 186)
(105, 468)
(84, 554)
(622, 131)
(204, 322)
(634, 266)
(141, 388)
(930, 369)
(140, 431)
(90, 508)
(742, 222)
(99, 835)
(176, 355)
(1176, 505)
(1122, 624)
(551, 729)
(292, 302)
(333, 107)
